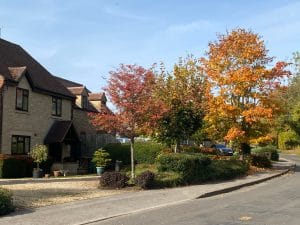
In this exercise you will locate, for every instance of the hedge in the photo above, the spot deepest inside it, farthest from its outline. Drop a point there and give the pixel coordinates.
(269, 149)
(15, 168)
(119, 152)
(227, 169)
(146, 152)
(192, 167)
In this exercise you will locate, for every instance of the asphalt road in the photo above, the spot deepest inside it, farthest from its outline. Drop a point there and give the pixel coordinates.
(276, 202)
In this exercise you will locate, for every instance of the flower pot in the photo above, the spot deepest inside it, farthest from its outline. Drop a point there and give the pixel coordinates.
(37, 173)
(100, 170)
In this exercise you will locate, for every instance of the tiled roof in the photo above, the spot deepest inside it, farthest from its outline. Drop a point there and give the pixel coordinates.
(13, 56)
(96, 96)
(58, 132)
(76, 90)
(68, 83)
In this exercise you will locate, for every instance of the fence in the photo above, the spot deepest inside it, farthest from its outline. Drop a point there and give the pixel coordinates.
(91, 142)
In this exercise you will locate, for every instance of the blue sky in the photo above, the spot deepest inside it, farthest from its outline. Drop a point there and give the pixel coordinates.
(83, 40)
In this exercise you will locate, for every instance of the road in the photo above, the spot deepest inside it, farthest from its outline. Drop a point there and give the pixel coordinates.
(276, 202)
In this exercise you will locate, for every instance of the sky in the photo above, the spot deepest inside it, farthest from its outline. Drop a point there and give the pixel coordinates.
(82, 40)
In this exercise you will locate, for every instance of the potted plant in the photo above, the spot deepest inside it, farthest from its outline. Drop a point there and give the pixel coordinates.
(39, 154)
(101, 159)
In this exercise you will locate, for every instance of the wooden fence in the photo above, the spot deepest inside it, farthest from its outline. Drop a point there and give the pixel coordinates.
(92, 142)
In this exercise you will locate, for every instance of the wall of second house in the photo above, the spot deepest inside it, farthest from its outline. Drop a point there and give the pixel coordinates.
(34, 123)
(82, 123)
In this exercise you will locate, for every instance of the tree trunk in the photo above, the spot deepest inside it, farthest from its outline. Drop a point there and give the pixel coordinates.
(176, 147)
(132, 157)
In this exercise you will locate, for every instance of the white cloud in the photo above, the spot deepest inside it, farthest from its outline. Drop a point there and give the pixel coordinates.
(192, 27)
(121, 13)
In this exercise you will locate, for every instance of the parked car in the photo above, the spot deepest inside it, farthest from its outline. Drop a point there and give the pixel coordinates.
(223, 150)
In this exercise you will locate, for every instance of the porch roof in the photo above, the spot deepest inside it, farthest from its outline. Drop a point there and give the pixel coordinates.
(58, 132)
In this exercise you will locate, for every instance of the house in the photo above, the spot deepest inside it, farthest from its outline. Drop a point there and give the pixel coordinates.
(39, 108)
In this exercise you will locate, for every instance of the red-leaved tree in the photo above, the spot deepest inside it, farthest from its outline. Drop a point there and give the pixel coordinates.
(130, 89)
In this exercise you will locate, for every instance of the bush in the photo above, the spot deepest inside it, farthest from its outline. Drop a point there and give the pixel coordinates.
(119, 152)
(146, 152)
(113, 180)
(190, 149)
(15, 168)
(192, 167)
(227, 169)
(267, 150)
(168, 179)
(145, 180)
(6, 202)
(261, 161)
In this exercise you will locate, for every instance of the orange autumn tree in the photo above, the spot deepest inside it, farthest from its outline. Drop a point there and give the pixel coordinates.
(130, 89)
(244, 87)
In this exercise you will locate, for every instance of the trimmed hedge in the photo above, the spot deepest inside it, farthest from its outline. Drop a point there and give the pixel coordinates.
(113, 180)
(168, 179)
(146, 152)
(119, 152)
(227, 169)
(192, 167)
(15, 168)
(6, 202)
(269, 149)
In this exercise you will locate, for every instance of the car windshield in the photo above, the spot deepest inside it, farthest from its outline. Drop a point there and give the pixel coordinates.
(220, 146)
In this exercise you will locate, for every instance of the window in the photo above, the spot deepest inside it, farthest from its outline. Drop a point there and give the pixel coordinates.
(56, 106)
(20, 145)
(22, 99)
(84, 102)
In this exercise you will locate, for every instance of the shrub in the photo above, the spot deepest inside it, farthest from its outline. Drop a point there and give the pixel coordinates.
(261, 161)
(192, 167)
(6, 202)
(146, 152)
(101, 158)
(39, 154)
(190, 149)
(145, 180)
(119, 152)
(168, 179)
(227, 169)
(113, 180)
(267, 150)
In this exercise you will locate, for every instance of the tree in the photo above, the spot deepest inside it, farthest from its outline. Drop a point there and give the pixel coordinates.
(178, 124)
(183, 93)
(130, 89)
(244, 101)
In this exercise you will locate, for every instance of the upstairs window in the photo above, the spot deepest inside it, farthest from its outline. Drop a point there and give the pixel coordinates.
(20, 145)
(56, 106)
(84, 102)
(22, 99)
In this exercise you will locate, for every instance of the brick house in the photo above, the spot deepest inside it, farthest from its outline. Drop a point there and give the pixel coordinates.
(39, 108)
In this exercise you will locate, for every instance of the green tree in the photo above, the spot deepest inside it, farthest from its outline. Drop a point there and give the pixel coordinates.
(179, 124)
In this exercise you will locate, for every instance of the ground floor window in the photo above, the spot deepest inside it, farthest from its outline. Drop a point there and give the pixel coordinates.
(20, 145)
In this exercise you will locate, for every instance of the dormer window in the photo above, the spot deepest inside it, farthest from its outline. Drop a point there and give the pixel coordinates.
(84, 102)
(22, 99)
